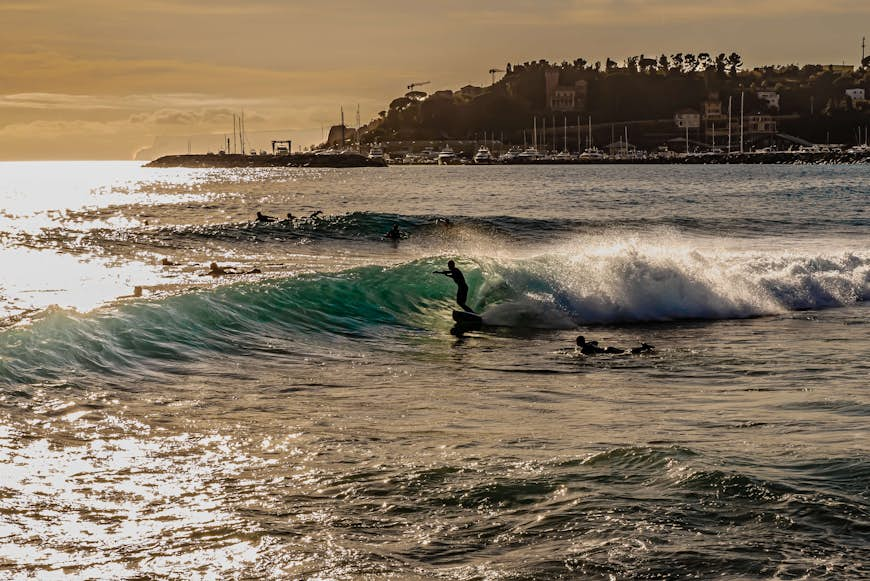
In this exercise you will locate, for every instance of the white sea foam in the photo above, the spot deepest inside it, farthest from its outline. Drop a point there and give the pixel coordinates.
(615, 279)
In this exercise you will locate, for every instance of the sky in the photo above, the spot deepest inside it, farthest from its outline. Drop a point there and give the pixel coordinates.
(104, 79)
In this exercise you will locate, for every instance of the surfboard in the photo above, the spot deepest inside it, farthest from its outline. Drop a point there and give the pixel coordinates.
(467, 318)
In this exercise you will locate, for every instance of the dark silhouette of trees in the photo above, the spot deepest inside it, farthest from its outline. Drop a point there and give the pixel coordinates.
(400, 103)
(734, 61)
(664, 64)
(647, 64)
(647, 90)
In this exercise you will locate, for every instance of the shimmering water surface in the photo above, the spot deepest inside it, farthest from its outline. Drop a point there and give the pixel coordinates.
(322, 419)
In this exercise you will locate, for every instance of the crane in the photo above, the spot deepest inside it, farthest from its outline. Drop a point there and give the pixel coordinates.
(420, 84)
(493, 72)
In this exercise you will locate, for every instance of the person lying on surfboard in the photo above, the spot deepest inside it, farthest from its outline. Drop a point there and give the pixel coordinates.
(462, 286)
(216, 271)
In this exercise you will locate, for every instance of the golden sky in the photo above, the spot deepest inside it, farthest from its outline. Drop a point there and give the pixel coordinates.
(100, 79)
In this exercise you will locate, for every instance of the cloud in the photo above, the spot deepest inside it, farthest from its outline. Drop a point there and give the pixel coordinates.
(19, 7)
(618, 13)
(194, 117)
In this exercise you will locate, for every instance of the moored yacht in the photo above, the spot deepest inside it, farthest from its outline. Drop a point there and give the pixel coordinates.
(528, 154)
(592, 153)
(377, 152)
(446, 156)
(483, 155)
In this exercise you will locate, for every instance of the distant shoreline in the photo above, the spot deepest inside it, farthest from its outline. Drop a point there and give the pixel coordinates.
(292, 160)
(358, 160)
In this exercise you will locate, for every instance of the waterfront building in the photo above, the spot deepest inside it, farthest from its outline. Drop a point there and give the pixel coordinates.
(687, 118)
(760, 123)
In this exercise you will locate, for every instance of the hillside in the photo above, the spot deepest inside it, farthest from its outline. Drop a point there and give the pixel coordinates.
(810, 101)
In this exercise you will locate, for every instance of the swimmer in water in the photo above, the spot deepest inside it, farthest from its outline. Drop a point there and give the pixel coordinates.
(394, 234)
(592, 348)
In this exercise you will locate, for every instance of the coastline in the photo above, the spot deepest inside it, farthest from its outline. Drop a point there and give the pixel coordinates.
(358, 160)
(292, 160)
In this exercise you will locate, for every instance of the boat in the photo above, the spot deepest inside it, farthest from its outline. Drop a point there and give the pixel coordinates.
(510, 154)
(592, 153)
(377, 152)
(446, 156)
(528, 154)
(483, 155)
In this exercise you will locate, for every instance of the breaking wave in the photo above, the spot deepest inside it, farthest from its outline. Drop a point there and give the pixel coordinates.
(611, 281)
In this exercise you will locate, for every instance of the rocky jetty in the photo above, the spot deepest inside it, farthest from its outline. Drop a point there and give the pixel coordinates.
(782, 157)
(293, 160)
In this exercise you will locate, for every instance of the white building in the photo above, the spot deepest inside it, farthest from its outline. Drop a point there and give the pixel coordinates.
(687, 118)
(769, 97)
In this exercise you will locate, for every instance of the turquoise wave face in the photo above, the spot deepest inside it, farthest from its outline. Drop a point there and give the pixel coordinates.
(578, 285)
(359, 304)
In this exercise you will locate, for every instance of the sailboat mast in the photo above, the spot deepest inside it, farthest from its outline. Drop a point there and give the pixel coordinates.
(729, 124)
(579, 149)
(535, 133)
(589, 139)
(242, 131)
(357, 128)
(342, 127)
(565, 119)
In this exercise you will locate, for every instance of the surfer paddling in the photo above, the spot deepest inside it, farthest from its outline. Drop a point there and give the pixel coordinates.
(461, 285)
(215, 271)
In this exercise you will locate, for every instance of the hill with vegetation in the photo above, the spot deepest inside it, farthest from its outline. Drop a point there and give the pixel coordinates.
(812, 98)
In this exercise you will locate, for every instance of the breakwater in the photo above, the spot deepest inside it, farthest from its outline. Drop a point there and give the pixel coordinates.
(292, 160)
(783, 157)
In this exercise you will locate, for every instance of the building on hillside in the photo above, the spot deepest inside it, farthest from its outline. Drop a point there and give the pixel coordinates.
(442, 93)
(564, 98)
(760, 123)
(715, 119)
(858, 96)
(769, 97)
(687, 118)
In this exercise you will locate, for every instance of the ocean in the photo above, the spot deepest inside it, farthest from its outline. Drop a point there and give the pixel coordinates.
(324, 418)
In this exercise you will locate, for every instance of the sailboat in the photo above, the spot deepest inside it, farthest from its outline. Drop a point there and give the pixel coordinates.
(531, 153)
(564, 155)
(591, 152)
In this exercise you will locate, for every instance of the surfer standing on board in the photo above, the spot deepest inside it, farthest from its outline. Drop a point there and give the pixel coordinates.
(462, 286)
